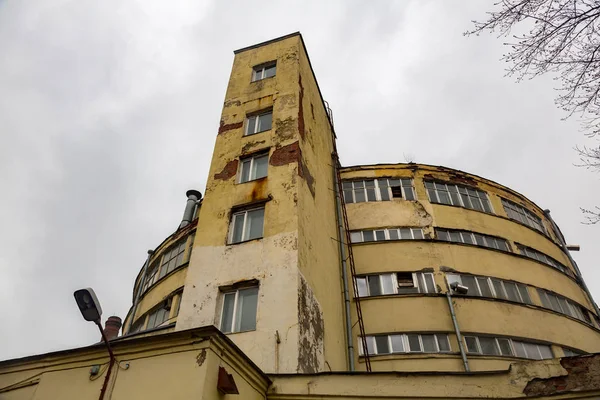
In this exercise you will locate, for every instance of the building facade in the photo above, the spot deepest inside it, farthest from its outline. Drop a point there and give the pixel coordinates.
(347, 282)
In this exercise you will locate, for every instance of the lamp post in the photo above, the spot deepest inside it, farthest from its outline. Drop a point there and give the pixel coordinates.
(454, 286)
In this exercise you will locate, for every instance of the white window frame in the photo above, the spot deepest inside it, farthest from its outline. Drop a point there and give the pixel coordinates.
(491, 242)
(459, 196)
(492, 287)
(378, 189)
(244, 226)
(255, 128)
(499, 348)
(543, 258)
(574, 310)
(521, 214)
(235, 307)
(394, 278)
(252, 172)
(262, 69)
(361, 237)
(405, 344)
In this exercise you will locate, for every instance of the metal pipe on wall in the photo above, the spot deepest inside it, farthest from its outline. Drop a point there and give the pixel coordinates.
(343, 257)
(459, 338)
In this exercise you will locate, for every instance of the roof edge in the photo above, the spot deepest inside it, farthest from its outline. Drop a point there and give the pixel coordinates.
(254, 46)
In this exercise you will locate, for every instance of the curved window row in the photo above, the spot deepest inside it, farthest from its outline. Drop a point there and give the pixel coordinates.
(523, 215)
(159, 314)
(170, 259)
(405, 343)
(458, 195)
(476, 239)
(483, 286)
(382, 189)
(564, 306)
(541, 257)
(377, 235)
(395, 283)
(503, 346)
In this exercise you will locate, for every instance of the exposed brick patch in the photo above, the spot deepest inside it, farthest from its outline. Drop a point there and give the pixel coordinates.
(311, 329)
(229, 170)
(583, 374)
(301, 109)
(289, 154)
(227, 127)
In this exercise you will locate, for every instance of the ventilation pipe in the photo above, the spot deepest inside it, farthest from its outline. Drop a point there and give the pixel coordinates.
(193, 197)
(111, 327)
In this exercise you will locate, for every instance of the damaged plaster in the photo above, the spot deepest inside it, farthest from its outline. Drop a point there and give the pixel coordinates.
(310, 322)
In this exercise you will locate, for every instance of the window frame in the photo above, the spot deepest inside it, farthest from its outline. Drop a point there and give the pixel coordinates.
(263, 68)
(457, 195)
(377, 189)
(537, 255)
(405, 344)
(419, 283)
(235, 307)
(489, 242)
(512, 343)
(244, 212)
(525, 217)
(257, 116)
(252, 170)
(491, 287)
(573, 309)
(360, 234)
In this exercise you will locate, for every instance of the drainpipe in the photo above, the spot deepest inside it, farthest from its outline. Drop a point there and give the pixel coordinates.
(461, 345)
(563, 246)
(193, 196)
(139, 291)
(343, 256)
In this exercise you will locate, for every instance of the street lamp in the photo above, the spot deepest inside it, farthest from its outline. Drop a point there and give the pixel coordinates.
(92, 311)
(460, 289)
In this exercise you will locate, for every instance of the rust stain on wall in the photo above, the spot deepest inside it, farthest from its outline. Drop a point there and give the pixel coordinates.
(228, 171)
(583, 374)
(227, 127)
(310, 322)
(301, 109)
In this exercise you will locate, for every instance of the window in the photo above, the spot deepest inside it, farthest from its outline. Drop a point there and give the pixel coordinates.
(571, 352)
(563, 305)
(263, 71)
(395, 283)
(253, 168)
(406, 343)
(382, 189)
(247, 225)
(160, 314)
(483, 286)
(259, 123)
(523, 215)
(173, 257)
(138, 325)
(151, 275)
(500, 346)
(377, 235)
(476, 239)
(456, 195)
(239, 310)
(541, 257)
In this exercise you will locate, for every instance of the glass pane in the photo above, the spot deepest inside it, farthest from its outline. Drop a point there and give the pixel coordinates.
(264, 122)
(532, 351)
(348, 196)
(359, 195)
(151, 321)
(545, 351)
(371, 194)
(388, 284)
(393, 234)
(374, 285)
(544, 298)
(465, 200)
(368, 236)
(444, 197)
(471, 342)
(384, 192)
(429, 345)
(417, 233)
(255, 222)
(251, 125)
(498, 289)
(479, 239)
(442, 235)
(260, 166)
(524, 293)
(430, 284)
(511, 291)
(501, 245)
(355, 237)
(469, 282)
(428, 185)
(361, 283)
(370, 344)
(443, 342)
(270, 71)
(455, 237)
(505, 349)
(409, 194)
(565, 308)
(397, 344)
(238, 228)
(455, 197)
(554, 303)
(405, 233)
(519, 349)
(380, 235)
(488, 345)
(227, 316)
(432, 195)
(257, 75)
(347, 185)
(246, 310)
(467, 238)
(245, 171)
(413, 343)
(383, 346)
(486, 206)
(484, 287)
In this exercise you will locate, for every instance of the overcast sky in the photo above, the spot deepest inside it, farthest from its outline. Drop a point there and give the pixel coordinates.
(109, 111)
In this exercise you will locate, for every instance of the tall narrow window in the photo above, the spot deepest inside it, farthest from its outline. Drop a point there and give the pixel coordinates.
(247, 225)
(253, 168)
(259, 123)
(239, 310)
(263, 71)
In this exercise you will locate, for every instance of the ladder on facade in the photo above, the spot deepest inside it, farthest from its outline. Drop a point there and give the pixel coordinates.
(350, 260)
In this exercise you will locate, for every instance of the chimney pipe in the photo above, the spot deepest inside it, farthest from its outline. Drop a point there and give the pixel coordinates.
(193, 197)
(112, 327)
